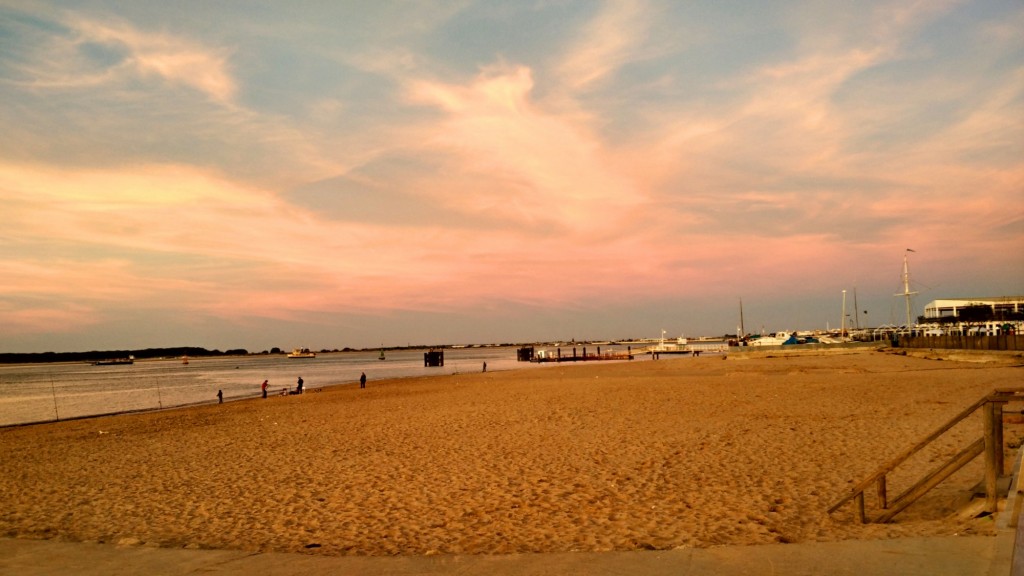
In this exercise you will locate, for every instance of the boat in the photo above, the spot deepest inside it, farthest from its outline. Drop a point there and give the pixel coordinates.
(778, 339)
(302, 353)
(115, 361)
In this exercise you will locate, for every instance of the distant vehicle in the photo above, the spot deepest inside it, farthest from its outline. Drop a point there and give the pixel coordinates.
(933, 332)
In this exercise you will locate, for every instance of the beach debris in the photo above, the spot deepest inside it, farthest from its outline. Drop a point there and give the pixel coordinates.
(313, 545)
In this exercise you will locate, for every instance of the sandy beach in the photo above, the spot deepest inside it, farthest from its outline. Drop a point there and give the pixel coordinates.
(685, 452)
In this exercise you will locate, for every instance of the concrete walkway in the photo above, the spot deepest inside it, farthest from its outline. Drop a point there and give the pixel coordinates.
(952, 555)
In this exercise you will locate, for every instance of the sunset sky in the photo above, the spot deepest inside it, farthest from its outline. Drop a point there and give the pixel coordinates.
(327, 174)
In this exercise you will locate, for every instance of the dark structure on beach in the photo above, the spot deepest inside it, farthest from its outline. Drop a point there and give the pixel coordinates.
(433, 358)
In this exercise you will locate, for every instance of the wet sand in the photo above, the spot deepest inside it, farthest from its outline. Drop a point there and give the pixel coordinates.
(684, 452)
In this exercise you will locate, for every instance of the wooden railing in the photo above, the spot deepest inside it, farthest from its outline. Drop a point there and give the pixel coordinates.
(990, 444)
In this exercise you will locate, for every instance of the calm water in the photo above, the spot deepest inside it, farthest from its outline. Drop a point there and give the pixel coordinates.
(45, 392)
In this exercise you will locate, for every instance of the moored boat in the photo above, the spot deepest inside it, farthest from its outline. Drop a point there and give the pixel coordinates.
(777, 339)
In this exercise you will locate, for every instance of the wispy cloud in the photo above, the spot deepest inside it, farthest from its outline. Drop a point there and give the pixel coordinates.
(522, 163)
(608, 41)
(115, 53)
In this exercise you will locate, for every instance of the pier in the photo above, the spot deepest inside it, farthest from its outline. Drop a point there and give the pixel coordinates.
(546, 356)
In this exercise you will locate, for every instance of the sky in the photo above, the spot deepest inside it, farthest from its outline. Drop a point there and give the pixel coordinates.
(336, 174)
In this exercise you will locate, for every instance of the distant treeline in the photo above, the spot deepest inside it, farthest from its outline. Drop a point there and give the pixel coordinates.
(98, 355)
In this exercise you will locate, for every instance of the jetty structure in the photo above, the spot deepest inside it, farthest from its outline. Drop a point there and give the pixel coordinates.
(528, 354)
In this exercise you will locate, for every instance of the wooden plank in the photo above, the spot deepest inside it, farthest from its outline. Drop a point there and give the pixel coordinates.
(882, 502)
(1017, 559)
(933, 479)
(1018, 499)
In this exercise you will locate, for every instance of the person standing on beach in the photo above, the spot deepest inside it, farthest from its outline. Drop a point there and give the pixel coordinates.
(264, 388)
(362, 380)
(220, 396)
(298, 387)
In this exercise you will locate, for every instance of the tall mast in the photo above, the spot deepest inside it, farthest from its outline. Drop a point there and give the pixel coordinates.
(842, 321)
(743, 332)
(856, 311)
(906, 286)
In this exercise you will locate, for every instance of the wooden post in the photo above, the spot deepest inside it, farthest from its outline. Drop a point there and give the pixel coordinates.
(882, 502)
(991, 474)
(997, 416)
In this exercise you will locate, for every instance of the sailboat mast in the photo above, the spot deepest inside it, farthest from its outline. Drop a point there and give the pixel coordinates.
(856, 311)
(743, 331)
(906, 286)
(842, 329)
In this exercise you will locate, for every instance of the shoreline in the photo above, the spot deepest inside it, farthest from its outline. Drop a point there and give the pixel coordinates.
(677, 453)
(54, 392)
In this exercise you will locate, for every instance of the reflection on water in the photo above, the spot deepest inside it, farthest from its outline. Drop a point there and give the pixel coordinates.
(44, 392)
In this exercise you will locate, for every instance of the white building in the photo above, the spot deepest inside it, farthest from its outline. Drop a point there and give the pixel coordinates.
(952, 306)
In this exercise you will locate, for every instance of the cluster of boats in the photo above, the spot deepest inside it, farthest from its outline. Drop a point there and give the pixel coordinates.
(702, 345)
(781, 339)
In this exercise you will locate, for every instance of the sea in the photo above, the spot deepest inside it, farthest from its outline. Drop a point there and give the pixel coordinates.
(32, 393)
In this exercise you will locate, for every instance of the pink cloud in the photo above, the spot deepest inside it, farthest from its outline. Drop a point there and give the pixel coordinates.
(538, 166)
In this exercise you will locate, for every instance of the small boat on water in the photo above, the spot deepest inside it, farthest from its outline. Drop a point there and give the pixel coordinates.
(302, 353)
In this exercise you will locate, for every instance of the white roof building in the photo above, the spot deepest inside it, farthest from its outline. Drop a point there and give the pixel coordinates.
(951, 306)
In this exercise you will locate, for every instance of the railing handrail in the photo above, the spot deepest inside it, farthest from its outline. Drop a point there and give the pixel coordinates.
(998, 395)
